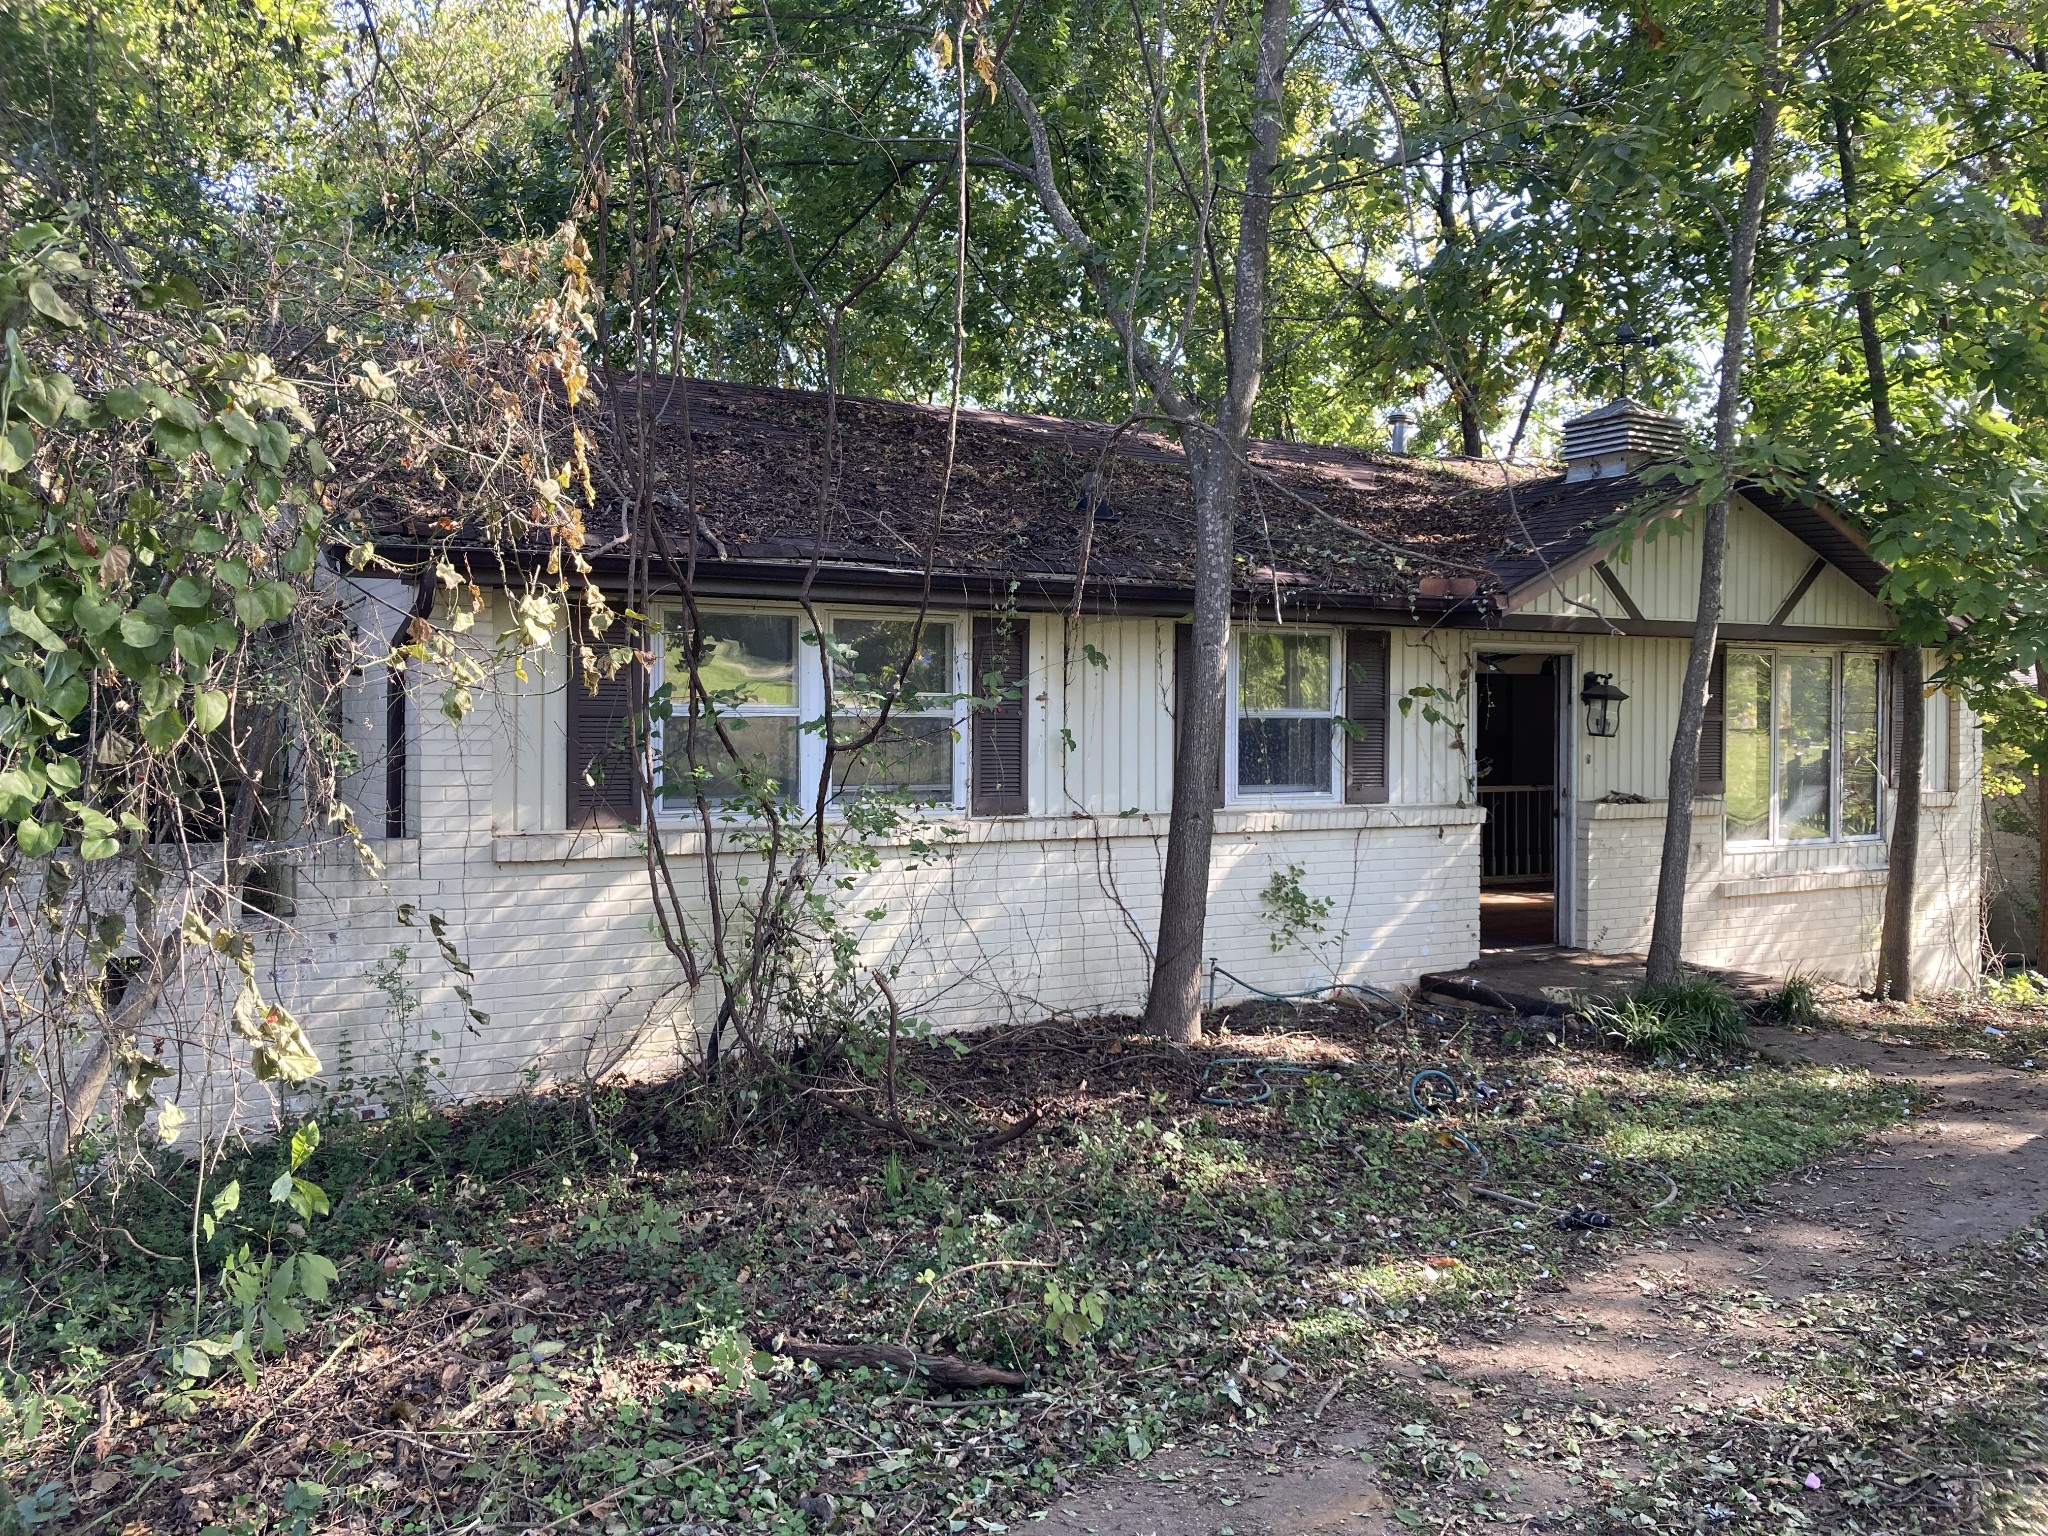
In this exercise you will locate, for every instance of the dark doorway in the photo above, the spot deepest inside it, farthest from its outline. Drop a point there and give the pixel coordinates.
(1516, 743)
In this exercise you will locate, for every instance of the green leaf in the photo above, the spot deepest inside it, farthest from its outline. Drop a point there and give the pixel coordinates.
(315, 1275)
(209, 709)
(163, 729)
(50, 304)
(265, 601)
(66, 699)
(139, 632)
(195, 645)
(25, 621)
(17, 785)
(281, 1188)
(187, 593)
(177, 289)
(64, 772)
(227, 454)
(274, 443)
(278, 599)
(95, 615)
(17, 447)
(176, 441)
(127, 403)
(236, 423)
(34, 839)
(48, 398)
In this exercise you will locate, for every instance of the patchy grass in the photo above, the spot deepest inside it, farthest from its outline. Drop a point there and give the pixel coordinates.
(550, 1312)
(1914, 1407)
(2006, 1022)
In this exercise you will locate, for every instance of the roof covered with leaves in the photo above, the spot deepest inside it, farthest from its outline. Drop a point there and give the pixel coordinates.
(1042, 499)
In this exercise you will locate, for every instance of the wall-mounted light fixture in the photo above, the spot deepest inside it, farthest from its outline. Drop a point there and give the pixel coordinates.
(1603, 703)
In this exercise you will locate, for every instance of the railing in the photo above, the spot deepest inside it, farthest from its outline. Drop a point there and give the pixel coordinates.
(1519, 841)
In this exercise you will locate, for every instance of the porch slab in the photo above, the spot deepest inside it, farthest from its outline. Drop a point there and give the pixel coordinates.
(1546, 981)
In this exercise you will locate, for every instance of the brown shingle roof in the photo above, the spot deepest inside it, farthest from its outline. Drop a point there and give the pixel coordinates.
(1332, 521)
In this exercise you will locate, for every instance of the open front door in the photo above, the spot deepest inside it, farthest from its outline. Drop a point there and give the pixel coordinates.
(1518, 741)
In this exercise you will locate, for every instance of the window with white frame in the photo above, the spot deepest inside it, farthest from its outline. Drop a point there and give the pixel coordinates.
(920, 752)
(745, 740)
(1283, 733)
(1803, 747)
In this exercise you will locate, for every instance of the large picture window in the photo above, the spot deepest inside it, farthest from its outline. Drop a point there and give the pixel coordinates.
(1284, 736)
(763, 674)
(1802, 746)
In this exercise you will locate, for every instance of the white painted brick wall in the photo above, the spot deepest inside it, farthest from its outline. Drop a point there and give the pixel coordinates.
(1744, 913)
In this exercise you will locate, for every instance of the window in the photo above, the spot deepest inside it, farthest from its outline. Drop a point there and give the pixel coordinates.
(917, 754)
(747, 664)
(1284, 734)
(1802, 742)
(764, 674)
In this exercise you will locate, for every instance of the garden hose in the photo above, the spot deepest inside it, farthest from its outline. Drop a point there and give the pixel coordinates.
(1364, 990)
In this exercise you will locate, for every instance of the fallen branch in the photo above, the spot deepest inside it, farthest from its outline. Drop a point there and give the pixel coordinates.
(946, 1370)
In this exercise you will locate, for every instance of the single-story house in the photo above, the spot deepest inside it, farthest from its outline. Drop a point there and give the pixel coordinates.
(1453, 693)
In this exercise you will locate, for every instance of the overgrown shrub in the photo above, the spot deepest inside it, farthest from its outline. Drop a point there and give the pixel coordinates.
(1690, 1017)
(1797, 1003)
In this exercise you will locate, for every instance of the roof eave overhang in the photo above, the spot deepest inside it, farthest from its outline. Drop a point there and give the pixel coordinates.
(880, 583)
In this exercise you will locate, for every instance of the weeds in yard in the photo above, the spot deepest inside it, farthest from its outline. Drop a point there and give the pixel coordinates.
(531, 1318)
(1796, 1003)
(1690, 1017)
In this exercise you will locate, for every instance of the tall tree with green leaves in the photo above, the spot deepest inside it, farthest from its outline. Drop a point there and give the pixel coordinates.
(1899, 370)
(153, 117)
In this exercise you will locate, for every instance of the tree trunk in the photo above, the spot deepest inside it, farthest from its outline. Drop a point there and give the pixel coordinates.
(1895, 939)
(1215, 454)
(1895, 944)
(2041, 838)
(1471, 438)
(1173, 1008)
(1667, 933)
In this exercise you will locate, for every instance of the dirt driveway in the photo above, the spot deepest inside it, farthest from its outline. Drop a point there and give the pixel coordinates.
(1670, 1328)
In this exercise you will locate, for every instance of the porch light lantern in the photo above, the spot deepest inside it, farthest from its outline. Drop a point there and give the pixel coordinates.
(1603, 703)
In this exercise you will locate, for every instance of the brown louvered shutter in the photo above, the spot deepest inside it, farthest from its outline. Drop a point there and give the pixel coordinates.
(1712, 778)
(603, 788)
(1183, 674)
(1365, 706)
(996, 732)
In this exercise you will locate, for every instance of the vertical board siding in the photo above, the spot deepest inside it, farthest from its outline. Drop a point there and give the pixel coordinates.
(1119, 716)
(1765, 563)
